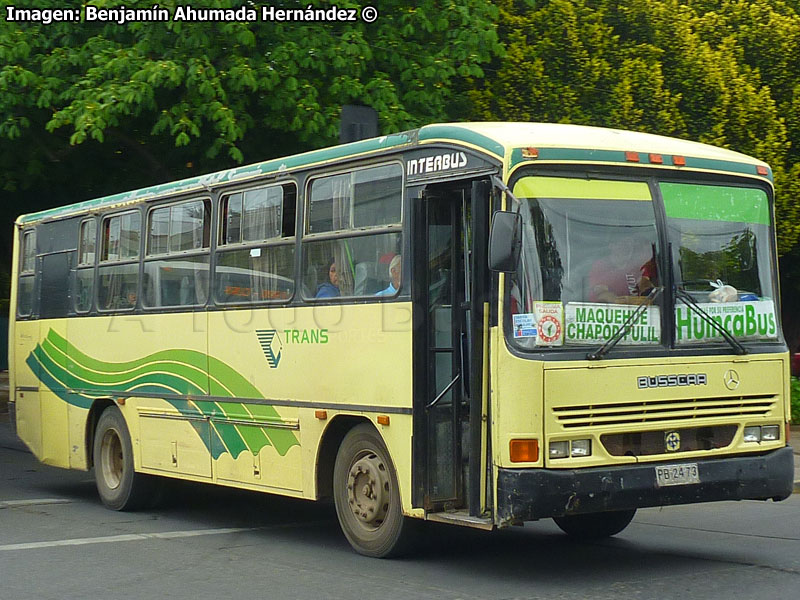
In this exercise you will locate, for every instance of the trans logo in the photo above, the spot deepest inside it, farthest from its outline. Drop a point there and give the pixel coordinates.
(271, 345)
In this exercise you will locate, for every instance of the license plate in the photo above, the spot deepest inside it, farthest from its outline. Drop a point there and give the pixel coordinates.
(683, 474)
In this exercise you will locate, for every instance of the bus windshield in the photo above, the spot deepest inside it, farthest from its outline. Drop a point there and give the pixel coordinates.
(721, 256)
(591, 254)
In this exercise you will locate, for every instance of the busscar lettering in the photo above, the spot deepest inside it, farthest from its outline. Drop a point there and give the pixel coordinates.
(683, 379)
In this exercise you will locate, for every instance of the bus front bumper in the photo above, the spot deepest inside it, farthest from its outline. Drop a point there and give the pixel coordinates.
(530, 494)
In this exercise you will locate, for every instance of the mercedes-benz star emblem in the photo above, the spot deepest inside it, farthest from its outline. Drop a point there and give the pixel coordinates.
(731, 379)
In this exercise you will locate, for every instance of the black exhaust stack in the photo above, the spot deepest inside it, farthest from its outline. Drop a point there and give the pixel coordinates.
(357, 123)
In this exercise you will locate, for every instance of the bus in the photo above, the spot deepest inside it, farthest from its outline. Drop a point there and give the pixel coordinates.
(480, 324)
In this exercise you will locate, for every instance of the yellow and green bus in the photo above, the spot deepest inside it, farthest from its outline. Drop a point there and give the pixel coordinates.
(479, 324)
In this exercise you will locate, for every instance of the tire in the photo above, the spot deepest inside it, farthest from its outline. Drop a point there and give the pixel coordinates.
(119, 486)
(595, 525)
(367, 496)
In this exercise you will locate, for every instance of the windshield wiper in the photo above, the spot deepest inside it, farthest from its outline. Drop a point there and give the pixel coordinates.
(623, 329)
(689, 301)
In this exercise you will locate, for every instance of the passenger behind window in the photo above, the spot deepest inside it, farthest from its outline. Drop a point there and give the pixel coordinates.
(395, 273)
(367, 281)
(330, 288)
(627, 274)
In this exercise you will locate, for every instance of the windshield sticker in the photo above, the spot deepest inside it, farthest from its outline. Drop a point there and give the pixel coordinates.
(524, 326)
(550, 323)
(596, 323)
(750, 320)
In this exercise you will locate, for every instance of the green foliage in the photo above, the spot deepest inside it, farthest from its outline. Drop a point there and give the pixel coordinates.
(795, 400)
(721, 72)
(226, 90)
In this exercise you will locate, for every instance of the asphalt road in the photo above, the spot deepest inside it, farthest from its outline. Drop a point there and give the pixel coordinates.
(57, 541)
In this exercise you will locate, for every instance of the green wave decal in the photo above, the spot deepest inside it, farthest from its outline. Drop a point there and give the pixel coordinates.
(79, 379)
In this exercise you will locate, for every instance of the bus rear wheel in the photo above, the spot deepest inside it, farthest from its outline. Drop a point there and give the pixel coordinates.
(367, 495)
(119, 486)
(595, 525)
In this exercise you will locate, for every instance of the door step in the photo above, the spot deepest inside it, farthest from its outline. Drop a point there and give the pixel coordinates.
(461, 518)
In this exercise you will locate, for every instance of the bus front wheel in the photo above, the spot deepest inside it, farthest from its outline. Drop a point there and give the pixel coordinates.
(595, 525)
(119, 486)
(367, 496)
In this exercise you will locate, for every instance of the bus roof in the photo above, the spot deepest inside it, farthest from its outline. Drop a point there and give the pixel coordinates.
(505, 141)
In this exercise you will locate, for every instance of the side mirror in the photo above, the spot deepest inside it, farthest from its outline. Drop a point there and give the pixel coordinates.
(505, 241)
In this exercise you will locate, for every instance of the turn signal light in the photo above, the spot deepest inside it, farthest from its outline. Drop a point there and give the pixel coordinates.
(761, 170)
(524, 450)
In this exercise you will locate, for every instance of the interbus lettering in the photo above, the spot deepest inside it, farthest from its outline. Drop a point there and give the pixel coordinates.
(438, 162)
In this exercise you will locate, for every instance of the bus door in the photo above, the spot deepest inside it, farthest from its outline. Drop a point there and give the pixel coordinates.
(54, 301)
(450, 234)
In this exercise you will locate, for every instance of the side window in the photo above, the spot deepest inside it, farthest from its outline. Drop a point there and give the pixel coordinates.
(377, 196)
(363, 198)
(352, 266)
(121, 237)
(363, 209)
(28, 252)
(255, 260)
(27, 274)
(118, 275)
(84, 275)
(329, 204)
(176, 265)
(88, 242)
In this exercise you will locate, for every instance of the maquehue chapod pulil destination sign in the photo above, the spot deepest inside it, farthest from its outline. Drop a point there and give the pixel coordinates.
(589, 322)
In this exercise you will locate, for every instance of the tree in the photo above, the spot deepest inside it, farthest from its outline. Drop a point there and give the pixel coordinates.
(227, 91)
(697, 69)
(88, 109)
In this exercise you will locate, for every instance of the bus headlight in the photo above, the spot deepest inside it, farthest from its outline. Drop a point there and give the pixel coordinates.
(559, 449)
(581, 448)
(770, 433)
(752, 434)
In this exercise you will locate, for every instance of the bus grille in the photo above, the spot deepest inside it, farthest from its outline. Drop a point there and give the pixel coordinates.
(660, 411)
(648, 443)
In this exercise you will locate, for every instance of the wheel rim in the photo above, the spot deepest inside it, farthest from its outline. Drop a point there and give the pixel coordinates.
(111, 460)
(368, 490)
